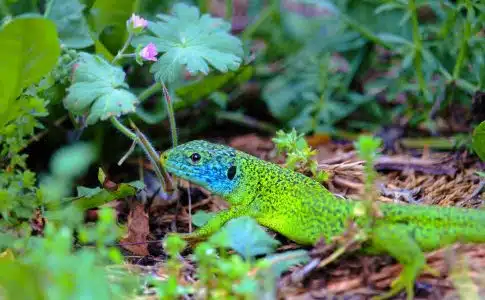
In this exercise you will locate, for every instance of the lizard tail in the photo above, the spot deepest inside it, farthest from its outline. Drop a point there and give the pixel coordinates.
(444, 225)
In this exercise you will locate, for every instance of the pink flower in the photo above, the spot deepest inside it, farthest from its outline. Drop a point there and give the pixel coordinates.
(149, 52)
(138, 22)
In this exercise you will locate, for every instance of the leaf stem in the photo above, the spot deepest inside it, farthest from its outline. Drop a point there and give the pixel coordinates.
(171, 115)
(153, 156)
(149, 91)
(120, 53)
(128, 55)
(123, 129)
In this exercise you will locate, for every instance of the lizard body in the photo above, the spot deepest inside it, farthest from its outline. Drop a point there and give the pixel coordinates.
(304, 211)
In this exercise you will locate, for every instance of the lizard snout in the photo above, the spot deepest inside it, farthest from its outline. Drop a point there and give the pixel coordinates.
(163, 158)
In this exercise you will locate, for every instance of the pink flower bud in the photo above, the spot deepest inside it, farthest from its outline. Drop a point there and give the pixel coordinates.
(149, 52)
(138, 22)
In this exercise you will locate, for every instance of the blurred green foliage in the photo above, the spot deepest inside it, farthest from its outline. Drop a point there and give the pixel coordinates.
(222, 275)
(100, 89)
(418, 50)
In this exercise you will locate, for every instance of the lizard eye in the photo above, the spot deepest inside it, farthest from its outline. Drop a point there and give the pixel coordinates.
(195, 157)
(231, 172)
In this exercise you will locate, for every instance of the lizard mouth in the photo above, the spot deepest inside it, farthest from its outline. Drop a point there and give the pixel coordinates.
(182, 171)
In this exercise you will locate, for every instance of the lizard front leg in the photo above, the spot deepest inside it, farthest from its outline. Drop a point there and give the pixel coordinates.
(398, 242)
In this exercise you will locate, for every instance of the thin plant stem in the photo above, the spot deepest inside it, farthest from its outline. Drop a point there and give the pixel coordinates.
(120, 53)
(341, 250)
(123, 129)
(171, 115)
(128, 153)
(467, 86)
(152, 155)
(190, 207)
(130, 55)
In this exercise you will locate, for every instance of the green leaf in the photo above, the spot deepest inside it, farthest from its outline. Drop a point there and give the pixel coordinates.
(71, 24)
(394, 39)
(20, 281)
(100, 89)
(137, 184)
(478, 140)
(246, 237)
(30, 49)
(281, 262)
(97, 197)
(190, 40)
(87, 192)
(481, 174)
(247, 286)
(201, 217)
(72, 161)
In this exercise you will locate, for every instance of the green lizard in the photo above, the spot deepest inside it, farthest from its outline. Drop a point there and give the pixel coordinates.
(304, 211)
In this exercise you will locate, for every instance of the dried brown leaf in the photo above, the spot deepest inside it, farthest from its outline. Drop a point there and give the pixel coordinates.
(138, 230)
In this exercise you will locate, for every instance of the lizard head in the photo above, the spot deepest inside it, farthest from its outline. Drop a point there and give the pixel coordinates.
(209, 165)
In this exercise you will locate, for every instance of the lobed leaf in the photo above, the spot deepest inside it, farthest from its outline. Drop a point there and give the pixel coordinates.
(191, 41)
(201, 217)
(99, 88)
(246, 237)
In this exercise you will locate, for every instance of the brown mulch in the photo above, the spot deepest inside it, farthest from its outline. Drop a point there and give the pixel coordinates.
(428, 178)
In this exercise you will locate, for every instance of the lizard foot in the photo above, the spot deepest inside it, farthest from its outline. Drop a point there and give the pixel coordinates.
(434, 272)
(405, 281)
(396, 286)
